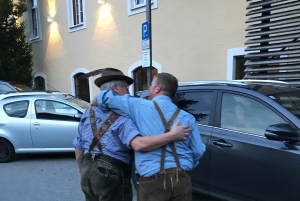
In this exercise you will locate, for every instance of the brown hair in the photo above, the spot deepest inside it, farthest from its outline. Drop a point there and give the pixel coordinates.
(168, 82)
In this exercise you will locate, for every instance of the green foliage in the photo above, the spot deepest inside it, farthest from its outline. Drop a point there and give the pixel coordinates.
(15, 52)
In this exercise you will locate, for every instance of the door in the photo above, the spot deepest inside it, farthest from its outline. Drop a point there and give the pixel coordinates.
(243, 162)
(54, 125)
(201, 105)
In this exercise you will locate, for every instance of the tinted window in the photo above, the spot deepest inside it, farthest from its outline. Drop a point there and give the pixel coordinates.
(20, 87)
(82, 88)
(55, 111)
(247, 115)
(4, 89)
(16, 109)
(196, 103)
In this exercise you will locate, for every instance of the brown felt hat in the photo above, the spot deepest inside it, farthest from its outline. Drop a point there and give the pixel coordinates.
(110, 74)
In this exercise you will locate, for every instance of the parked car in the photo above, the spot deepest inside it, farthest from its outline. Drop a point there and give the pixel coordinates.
(251, 130)
(38, 122)
(10, 86)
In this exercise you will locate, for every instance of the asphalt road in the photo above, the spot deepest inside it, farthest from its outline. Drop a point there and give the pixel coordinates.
(44, 178)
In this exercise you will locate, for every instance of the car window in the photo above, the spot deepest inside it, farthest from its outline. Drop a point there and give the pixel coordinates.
(4, 89)
(196, 103)
(16, 109)
(247, 115)
(20, 87)
(46, 109)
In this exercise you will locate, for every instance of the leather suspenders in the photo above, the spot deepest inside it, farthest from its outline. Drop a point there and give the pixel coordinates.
(167, 126)
(98, 134)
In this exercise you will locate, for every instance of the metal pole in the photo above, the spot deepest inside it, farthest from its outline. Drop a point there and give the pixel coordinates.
(148, 18)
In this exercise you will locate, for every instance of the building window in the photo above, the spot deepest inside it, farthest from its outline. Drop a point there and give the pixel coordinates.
(138, 6)
(140, 79)
(39, 83)
(34, 22)
(76, 15)
(82, 88)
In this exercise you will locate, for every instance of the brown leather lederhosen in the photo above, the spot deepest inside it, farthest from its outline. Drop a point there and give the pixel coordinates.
(98, 134)
(167, 126)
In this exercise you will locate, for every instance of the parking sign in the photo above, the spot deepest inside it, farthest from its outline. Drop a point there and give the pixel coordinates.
(145, 30)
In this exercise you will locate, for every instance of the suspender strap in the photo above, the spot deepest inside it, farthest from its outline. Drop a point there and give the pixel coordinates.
(98, 134)
(167, 126)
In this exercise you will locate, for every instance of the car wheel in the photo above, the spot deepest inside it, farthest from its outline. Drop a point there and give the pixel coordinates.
(135, 176)
(7, 151)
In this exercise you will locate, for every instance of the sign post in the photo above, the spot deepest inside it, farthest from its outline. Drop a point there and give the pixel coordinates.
(147, 43)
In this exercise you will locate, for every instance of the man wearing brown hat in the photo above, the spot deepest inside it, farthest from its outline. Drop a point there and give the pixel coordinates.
(104, 142)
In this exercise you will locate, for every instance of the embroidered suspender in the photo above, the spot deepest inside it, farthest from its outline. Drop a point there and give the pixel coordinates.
(98, 134)
(167, 126)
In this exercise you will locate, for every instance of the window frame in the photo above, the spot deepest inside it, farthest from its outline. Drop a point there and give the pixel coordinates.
(34, 5)
(134, 8)
(70, 10)
(254, 98)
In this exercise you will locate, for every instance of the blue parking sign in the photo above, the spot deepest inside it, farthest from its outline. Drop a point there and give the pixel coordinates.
(145, 30)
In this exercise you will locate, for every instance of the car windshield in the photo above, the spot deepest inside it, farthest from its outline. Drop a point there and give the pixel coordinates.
(81, 103)
(21, 87)
(290, 100)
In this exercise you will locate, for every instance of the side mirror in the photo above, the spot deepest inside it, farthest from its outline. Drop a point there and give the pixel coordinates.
(282, 132)
(78, 115)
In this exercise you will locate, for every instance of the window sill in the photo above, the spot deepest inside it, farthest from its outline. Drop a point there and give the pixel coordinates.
(77, 27)
(141, 6)
(35, 39)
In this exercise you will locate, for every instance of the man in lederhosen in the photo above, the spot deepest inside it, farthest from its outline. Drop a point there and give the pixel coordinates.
(163, 171)
(104, 141)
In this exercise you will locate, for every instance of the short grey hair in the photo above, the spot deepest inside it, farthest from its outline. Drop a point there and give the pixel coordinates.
(110, 84)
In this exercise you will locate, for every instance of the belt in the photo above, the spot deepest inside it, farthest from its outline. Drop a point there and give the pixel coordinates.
(106, 158)
(166, 171)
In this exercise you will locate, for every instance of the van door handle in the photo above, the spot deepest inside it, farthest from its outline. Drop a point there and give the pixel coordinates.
(222, 143)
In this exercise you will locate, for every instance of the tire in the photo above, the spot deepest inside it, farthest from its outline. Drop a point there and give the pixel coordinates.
(7, 151)
(135, 176)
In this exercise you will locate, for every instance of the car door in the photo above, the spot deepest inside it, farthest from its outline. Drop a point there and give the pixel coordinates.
(244, 164)
(54, 124)
(201, 104)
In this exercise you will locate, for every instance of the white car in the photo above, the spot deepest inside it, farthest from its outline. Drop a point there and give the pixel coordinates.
(38, 122)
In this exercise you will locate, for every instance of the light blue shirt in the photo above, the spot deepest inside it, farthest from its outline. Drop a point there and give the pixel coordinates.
(148, 121)
(116, 140)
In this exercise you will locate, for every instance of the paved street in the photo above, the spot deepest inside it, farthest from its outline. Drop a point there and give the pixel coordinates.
(45, 178)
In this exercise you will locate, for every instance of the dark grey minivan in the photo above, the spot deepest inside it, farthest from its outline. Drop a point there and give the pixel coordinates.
(251, 129)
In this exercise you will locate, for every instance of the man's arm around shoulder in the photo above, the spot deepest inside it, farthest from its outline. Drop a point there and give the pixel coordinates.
(123, 105)
(149, 143)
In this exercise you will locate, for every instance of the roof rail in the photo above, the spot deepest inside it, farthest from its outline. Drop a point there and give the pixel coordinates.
(277, 82)
(214, 82)
(27, 93)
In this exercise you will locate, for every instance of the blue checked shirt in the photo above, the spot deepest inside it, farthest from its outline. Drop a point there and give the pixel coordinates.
(116, 140)
(148, 121)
